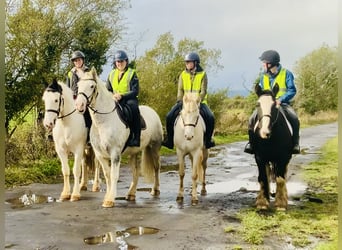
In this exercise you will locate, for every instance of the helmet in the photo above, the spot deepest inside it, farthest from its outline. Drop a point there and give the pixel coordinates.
(192, 57)
(120, 55)
(77, 54)
(270, 56)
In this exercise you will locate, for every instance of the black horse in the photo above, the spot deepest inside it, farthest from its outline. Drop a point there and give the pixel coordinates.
(272, 146)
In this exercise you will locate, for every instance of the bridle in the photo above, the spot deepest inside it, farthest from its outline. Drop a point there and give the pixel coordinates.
(93, 97)
(58, 111)
(190, 124)
(273, 118)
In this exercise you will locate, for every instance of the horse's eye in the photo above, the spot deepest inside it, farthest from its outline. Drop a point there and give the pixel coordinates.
(56, 100)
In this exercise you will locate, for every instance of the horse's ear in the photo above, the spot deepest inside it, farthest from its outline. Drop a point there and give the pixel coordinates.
(258, 89)
(93, 72)
(275, 89)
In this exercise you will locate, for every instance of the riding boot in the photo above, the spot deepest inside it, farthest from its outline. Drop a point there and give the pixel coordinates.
(209, 121)
(249, 149)
(168, 141)
(209, 142)
(170, 121)
(88, 123)
(136, 131)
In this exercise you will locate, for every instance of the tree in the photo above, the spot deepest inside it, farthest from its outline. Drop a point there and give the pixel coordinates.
(40, 37)
(317, 80)
(159, 69)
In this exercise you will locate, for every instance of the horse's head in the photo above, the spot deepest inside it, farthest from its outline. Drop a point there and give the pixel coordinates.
(86, 90)
(267, 111)
(53, 101)
(190, 114)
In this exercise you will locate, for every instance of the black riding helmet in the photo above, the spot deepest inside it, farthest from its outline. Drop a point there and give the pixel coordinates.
(270, 56)
(77, 54)
(192, 57)
(120, 55)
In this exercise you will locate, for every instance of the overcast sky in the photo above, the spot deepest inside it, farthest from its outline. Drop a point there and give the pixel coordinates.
(241, 29)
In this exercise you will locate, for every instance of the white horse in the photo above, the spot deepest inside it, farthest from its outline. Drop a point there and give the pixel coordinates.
(188, 140)
(109, 134)
(70, 135)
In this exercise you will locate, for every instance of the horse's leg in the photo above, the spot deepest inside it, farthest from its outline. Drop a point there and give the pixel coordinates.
(84, 174)
(204, 169)
(180, 196)
(197, 174)
(76, 195)
(263, 197)
(113, 179)
(150, 166)
(63, 156)
(133, 162)
(96, 184)
(106, 173)
(281, 198)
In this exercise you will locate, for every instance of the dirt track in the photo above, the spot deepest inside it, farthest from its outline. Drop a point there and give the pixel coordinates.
(232, 185)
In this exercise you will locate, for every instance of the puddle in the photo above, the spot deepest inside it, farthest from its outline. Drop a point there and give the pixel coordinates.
(236, 185)
(27, 200)
(120, 237)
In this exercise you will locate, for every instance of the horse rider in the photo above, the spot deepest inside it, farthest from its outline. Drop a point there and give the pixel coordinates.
(273, 72)
(192, 79)
(124, 83)
(78, 60)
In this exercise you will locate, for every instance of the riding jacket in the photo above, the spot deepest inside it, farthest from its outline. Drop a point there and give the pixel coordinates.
(285, 80)
(196, 81)
(126, 84)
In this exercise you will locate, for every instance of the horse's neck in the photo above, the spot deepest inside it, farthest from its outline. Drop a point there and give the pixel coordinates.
(68, 105)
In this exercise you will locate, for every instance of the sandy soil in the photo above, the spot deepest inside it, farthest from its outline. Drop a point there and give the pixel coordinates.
(154, 223)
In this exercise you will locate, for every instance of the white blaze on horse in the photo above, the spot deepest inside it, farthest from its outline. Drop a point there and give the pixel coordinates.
(188, 140)
(70, 135)
(109, 134)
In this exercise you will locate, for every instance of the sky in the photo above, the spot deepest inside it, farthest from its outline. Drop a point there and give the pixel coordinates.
(241, 29)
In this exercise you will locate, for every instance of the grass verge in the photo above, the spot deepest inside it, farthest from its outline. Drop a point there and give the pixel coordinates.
(313, 222)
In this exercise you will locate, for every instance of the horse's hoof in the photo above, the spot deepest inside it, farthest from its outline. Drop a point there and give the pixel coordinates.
(262, 207)
(203, 192)
(155, 192)
(130, 197)
(84, 188)
(194, 202)
(108, 204)
(75, 198)
(180, 199)
(65, 197)
(281, 209)
(96, 189)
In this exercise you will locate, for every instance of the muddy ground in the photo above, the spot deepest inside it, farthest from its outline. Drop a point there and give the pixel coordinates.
(154, 223)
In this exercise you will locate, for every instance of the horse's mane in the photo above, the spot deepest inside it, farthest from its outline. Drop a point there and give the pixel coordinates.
(59, 86)
(101, 85)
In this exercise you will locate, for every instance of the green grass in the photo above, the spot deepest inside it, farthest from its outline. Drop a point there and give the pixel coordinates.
(306, 221)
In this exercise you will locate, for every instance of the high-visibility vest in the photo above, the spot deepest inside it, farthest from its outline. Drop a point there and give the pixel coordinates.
(280, 79)
(193, 85)
(121, 87)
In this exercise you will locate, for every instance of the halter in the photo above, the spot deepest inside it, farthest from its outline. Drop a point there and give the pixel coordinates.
(61, 100)
(91, 98)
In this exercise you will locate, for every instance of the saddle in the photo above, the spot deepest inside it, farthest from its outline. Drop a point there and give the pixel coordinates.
(125, 115)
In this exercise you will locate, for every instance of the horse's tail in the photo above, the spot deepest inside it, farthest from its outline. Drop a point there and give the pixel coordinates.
(150, 162)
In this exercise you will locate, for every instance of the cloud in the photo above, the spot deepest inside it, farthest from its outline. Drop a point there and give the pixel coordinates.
(242, 30)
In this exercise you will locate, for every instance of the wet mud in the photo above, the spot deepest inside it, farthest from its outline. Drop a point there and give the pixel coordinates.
(35, 219)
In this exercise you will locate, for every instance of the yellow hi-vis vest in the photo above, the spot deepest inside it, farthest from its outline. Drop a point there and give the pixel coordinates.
(121, 87)
(280, 79)
(193, 85)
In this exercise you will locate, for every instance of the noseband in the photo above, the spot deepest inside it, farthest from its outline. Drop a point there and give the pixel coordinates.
(190, 124)
(61, 102)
